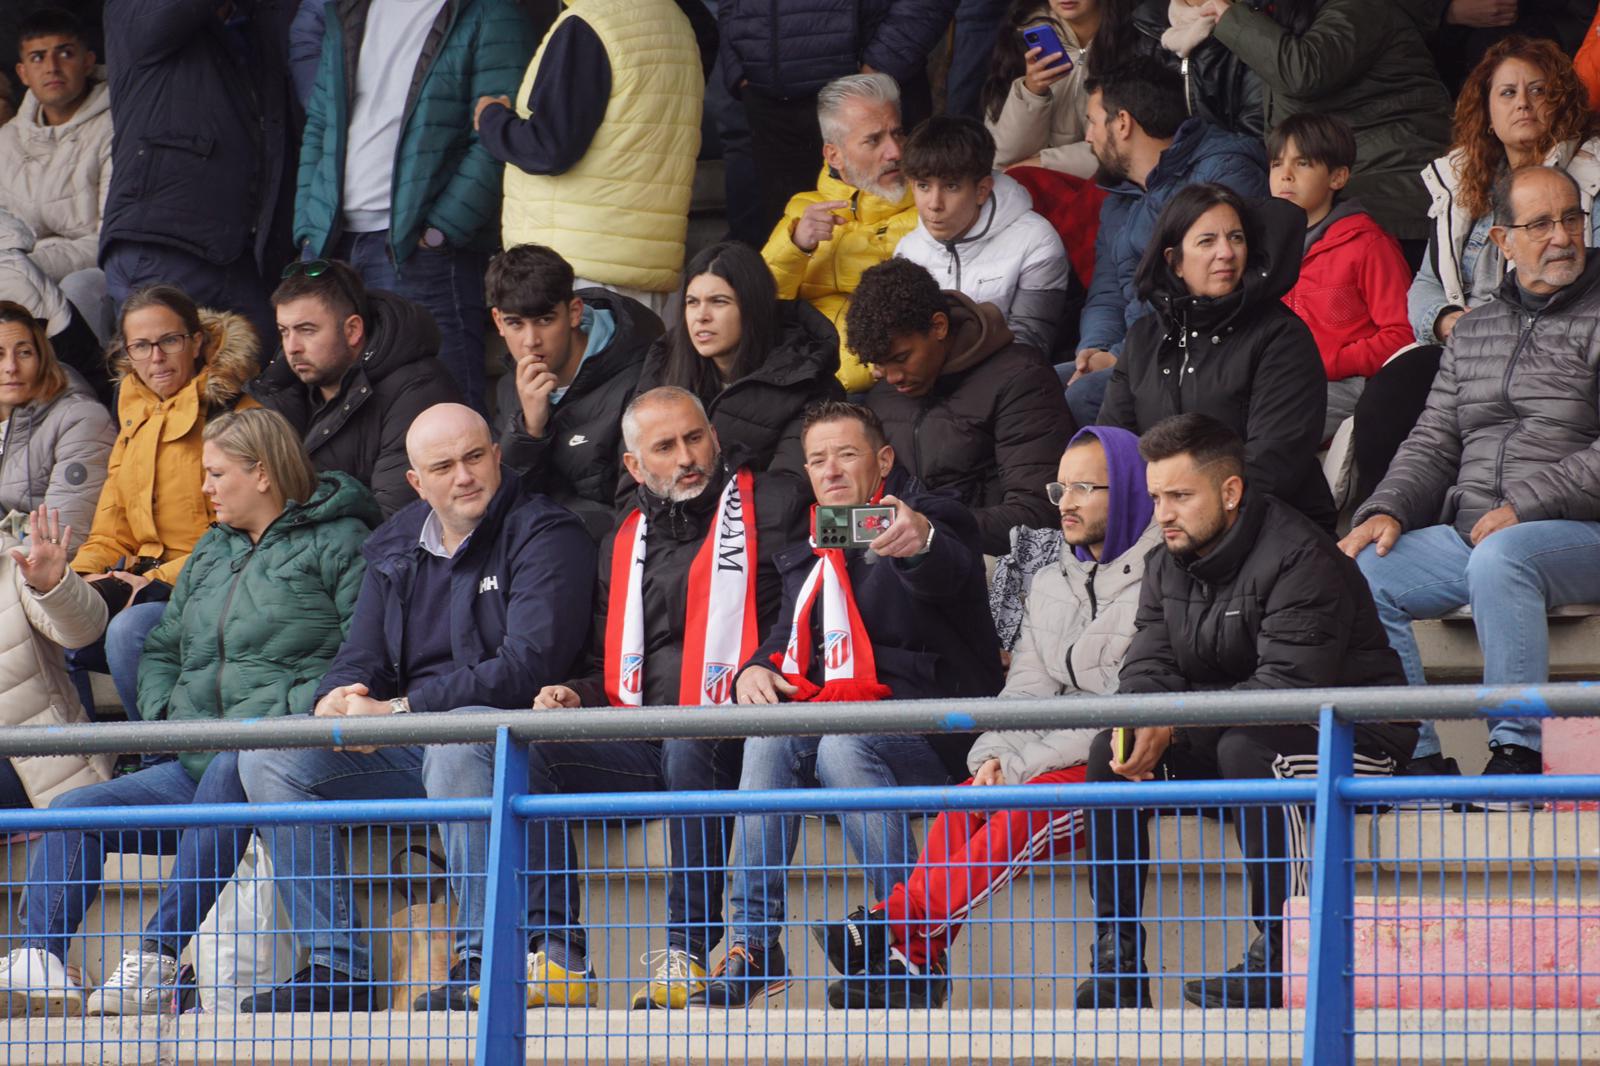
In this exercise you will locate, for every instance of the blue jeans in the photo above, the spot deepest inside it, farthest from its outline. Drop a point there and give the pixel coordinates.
(308, 862)
(449, 283)
(764, 844)
(116, 653)
(1511, 579)
(1085, 395)
(977, 28)
(64, 867)
(699, 845)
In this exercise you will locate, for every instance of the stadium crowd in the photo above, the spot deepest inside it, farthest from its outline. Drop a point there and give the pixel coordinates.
(1076, 293)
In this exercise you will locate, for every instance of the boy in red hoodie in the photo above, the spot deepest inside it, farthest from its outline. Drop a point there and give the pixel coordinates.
(1353, 278)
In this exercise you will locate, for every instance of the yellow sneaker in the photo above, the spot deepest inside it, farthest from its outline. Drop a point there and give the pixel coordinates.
(550, 985)
(677, 976)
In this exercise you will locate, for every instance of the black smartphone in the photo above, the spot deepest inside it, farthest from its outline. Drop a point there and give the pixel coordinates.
(1045, 38)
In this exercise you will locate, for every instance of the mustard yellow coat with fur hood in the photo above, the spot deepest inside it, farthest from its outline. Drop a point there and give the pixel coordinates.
(151, 506)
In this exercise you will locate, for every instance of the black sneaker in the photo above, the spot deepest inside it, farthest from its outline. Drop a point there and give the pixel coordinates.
(893, 986)
(1254, 982)
(855, 942)
(314, 989)
(747, 973)
(1435, 765)
(1513, 759)
(1119, 977)
(455, 993)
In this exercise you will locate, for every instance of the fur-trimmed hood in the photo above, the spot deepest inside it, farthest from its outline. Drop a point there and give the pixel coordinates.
(231, 358)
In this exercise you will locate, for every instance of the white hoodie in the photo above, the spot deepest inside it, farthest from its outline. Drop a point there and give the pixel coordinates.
(55, 179)
(1010, 257)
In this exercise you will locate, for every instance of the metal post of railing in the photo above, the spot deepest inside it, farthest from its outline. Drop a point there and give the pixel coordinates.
(1330, 1014)
(503, 998)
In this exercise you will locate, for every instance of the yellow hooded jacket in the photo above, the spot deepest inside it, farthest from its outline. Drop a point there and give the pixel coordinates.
(828, 276)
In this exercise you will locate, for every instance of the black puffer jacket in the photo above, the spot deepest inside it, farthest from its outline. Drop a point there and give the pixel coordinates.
(992, 429)
(759, 415)
(1217, 86)
(362, 430)
(1244, 359)
(1274, 604)
(795, 47)
(576, 461)
(674, 533)
(1514, 416)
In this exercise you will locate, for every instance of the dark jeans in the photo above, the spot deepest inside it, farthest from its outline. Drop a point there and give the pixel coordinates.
(699, 845)
(236, 286)
(1387, 412)
(555, 901)
(64, 867)
(787, 147)
(116, 653)
(449, 283)
(977, 27)
(1120, 839)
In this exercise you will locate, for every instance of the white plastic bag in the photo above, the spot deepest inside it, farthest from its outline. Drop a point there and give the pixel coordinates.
(242, 947)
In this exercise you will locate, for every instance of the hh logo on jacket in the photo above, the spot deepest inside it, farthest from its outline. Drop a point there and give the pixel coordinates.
(489, 584)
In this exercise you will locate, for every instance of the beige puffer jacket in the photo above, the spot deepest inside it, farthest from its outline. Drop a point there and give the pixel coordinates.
(1050, 126)
(33, 674)
(1072, 642)
(55, 179)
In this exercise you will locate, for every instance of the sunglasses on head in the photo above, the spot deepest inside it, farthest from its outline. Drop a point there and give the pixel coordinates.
(316, 268)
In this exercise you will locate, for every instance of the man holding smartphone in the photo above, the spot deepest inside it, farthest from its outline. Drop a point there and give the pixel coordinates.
(906, 618)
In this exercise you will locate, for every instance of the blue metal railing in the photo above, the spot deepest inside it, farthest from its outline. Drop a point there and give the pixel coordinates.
(1328, 1029)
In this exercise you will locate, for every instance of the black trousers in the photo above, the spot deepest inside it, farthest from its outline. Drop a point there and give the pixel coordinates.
(1120, 839)
(1386, 412)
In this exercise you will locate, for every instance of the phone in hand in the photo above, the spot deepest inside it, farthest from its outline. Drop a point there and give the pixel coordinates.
(850, 527)
(1045, 38)
(1121, 744)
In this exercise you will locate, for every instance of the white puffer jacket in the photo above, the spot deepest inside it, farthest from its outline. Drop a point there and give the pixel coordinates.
(55, 179)
(23, 281)
(33, 674)
(1009, 256)
(1072, 642)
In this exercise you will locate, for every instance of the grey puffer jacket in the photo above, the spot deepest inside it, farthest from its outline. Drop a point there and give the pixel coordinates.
(1077, 628)
(54, 453)
(1514, 417)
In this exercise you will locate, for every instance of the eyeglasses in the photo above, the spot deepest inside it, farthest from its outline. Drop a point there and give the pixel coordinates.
(1541, 228)
(171, 344)
(1077, 490)
(316, 268)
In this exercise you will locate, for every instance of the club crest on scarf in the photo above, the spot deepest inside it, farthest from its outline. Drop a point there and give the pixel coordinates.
(718, 684)
(836, 648)
(632, 674)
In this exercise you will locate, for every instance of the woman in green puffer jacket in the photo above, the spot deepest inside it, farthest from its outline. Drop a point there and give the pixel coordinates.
(258, 612)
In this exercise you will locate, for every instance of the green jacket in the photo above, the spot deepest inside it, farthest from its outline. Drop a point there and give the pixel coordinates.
(1366, 61)
(251, 628)
(442, 176)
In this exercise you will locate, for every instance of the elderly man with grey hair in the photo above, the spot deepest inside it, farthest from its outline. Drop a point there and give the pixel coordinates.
(478, 593)
(1494, 499)
(687, 589)
(855, 216)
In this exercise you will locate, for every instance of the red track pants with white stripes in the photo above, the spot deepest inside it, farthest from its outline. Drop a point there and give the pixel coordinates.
(968, 856)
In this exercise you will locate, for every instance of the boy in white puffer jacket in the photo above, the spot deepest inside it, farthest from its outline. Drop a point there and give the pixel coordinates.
(977, 232)
(1076, 629)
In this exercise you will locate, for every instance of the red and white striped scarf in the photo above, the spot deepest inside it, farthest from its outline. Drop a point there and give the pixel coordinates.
(720, 628)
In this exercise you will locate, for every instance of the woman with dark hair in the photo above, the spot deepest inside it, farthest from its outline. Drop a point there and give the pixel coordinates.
(755, 361)
(1034, 102)
(1365, 61)
(55, 436)
(177, 366)
(1523, 105)
(1221, 342)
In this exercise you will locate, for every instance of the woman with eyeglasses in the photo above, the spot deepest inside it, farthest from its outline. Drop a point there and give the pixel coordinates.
(1220, 341)
(1522, 105)
(55, 436)
(176, 366)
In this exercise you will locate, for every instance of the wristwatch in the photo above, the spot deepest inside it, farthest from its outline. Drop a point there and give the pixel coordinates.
(400, 705)
(927, 545)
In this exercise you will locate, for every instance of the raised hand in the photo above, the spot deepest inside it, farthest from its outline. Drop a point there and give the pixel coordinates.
(45, 563)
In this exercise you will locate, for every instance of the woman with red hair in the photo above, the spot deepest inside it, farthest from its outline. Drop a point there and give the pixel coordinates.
(1522, 105)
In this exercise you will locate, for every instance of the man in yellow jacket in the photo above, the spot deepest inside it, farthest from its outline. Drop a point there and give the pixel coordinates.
(860, 209)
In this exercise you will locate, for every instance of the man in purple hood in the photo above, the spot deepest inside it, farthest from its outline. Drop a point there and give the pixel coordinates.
(1076, 629)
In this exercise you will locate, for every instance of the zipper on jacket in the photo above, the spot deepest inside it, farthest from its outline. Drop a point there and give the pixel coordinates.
(222, 618)
(1094, 611)
(1505, 394)
(916, 441)
(1188, 91)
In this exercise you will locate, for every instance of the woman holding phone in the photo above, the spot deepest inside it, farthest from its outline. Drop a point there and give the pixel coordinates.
(1034, 100)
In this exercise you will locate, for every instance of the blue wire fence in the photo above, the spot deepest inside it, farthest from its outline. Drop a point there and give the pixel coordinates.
(1431, 919)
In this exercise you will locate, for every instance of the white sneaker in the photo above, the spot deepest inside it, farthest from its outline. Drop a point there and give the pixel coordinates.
(35, 982)
(138, 986)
